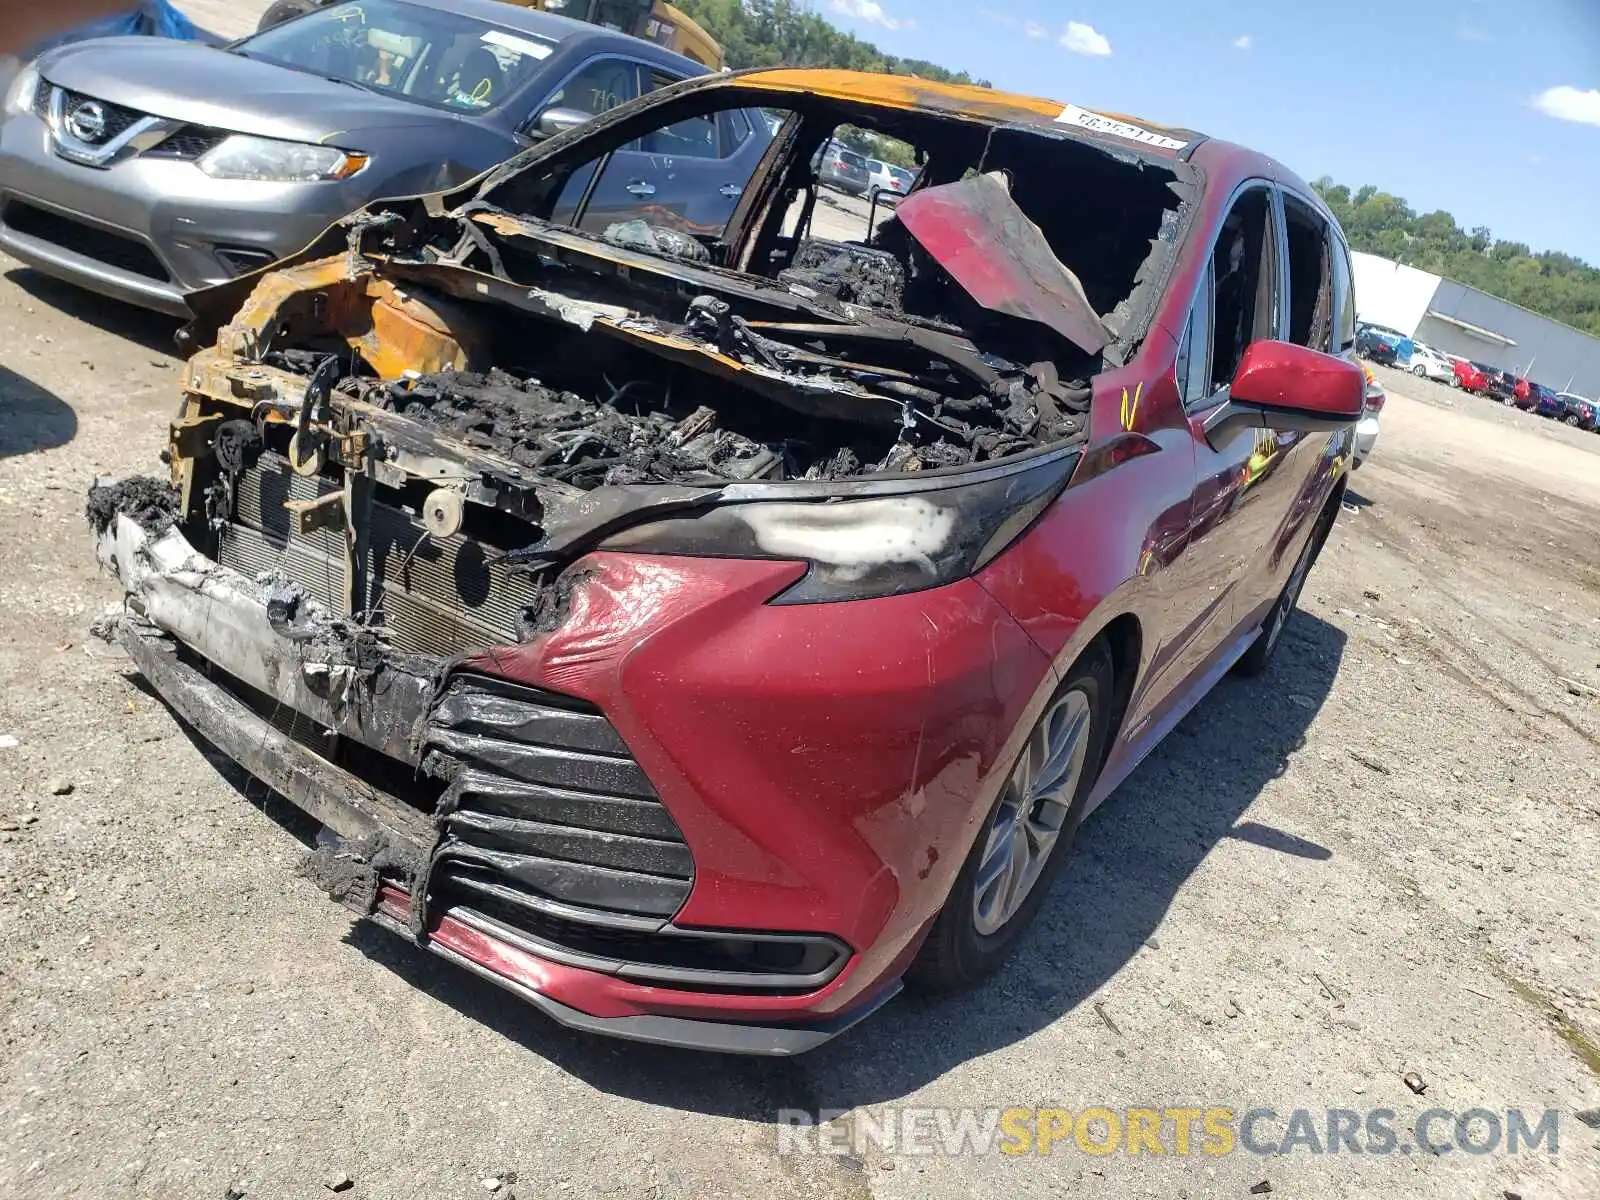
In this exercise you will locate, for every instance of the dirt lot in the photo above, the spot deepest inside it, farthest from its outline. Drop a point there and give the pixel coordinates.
(1380, 858)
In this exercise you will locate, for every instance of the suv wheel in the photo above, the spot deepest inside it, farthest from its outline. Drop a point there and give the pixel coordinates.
(1026, 835)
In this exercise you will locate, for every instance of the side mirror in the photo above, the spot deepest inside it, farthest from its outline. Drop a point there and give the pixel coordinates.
(558, 120)
(1283, 386)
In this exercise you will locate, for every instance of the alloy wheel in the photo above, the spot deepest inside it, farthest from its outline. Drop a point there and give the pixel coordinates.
(1032, 813)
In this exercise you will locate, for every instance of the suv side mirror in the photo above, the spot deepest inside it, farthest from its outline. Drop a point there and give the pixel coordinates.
(558, 120)
(1283, 386)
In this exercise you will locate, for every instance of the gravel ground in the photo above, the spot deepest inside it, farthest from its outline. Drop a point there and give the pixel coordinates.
(1380, 858)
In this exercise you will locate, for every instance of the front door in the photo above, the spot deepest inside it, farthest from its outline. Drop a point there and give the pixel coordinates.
(1238, 303)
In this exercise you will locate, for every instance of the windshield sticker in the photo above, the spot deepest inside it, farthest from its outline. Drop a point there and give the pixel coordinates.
(1095, 123)
(510, 41)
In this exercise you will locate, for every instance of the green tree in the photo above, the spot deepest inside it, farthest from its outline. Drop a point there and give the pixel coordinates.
(1557, 285)
(771, 33)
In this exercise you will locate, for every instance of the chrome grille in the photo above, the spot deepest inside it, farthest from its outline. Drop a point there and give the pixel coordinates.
(188, 143)
(114, 119)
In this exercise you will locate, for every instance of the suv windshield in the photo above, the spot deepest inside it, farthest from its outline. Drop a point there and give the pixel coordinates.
(851, 159)
(426, 55)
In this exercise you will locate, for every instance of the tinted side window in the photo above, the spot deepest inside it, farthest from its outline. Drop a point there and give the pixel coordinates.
(736, 128)
(1344, 299)
(1310, 276)
(1244, 284)
(694, 138)
(1194, 355)
(597, 87)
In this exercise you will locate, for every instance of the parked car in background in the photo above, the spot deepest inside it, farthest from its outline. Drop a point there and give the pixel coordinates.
(653, 20)
(887, 182)
(1501, 385)
(1472, 376)
(144, 168)
(1579, 411)
(710, 713)
(1427, 363)
(1383, 345)
(840, 167)
(1367, 427)
(1536, 398)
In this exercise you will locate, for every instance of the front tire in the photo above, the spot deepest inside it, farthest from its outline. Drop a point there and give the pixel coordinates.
(1420, 372)
(1026, 834)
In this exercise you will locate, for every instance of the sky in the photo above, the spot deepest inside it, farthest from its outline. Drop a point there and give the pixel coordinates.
(1489, 109)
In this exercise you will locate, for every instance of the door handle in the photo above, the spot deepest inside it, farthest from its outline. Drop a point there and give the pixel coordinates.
(640, 188)
(731, 190)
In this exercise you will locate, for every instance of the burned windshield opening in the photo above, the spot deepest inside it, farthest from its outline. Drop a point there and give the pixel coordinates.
(812, 205)
(803, 332)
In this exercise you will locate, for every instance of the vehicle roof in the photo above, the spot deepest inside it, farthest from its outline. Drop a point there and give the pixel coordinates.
(559, 29)
(965, 100)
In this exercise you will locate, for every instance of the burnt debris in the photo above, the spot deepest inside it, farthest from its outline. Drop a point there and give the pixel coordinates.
(849, 273)
(639, 432)
(151, 503)
(587, 443)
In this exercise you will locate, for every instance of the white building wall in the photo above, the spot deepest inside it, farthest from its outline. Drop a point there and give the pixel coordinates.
(1390, 294)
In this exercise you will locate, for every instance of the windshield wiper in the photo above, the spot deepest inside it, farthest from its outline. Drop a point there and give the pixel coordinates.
(360, 87)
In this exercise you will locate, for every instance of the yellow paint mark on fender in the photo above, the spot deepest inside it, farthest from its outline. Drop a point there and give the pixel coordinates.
(1130, 407)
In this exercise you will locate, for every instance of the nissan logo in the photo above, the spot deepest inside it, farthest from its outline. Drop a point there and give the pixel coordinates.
(87, 122)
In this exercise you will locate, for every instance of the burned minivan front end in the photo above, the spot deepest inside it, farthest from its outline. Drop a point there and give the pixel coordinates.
(613, 609)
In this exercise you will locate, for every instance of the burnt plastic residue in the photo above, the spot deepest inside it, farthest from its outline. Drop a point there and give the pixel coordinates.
(849, 273)
(583, 442)
(150, 503)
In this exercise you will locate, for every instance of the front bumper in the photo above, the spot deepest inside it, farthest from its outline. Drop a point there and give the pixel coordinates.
(1366, 438)
(363, 816)
(147, 229)
(827, 775)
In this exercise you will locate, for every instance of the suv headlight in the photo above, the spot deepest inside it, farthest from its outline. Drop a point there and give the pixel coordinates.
(244, 157)
(874, 546)
(20, 95)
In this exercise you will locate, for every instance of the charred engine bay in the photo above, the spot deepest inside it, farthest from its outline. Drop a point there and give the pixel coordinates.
(670, 424)
(812, 401)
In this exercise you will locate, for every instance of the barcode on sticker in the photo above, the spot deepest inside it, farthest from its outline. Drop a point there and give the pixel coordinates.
(1095, 123)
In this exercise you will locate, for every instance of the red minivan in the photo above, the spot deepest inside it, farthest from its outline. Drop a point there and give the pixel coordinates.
(698, 635)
